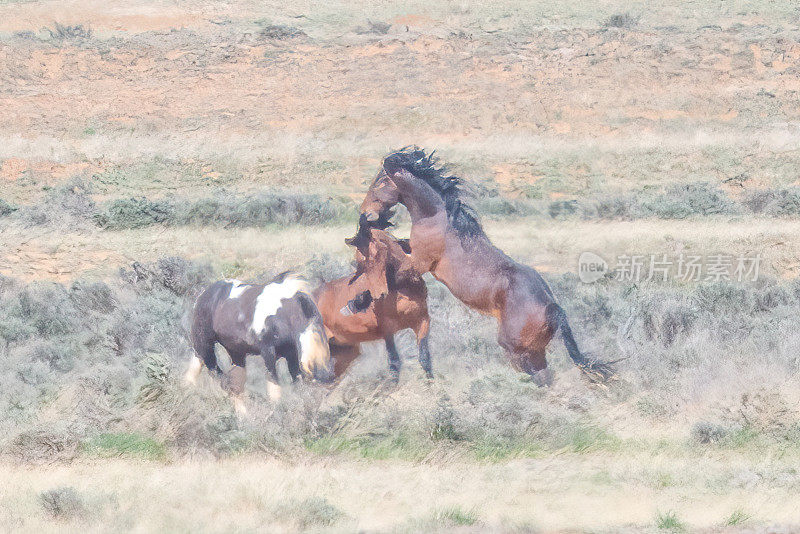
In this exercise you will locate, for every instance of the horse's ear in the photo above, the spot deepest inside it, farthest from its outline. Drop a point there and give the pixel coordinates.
(362, 233)
(383, 221)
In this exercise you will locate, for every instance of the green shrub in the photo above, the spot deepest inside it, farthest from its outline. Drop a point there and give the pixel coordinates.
(737, 517)
(705, 432)
(6, 208)
(455, 516)
(126, 444)
(561, 209)
(498, 207)
(61, 32)
(225, 210)
(135, 213)
(262, 210)
(686, 200)
(773, 202)
(669, 521)
(280, 32)
(621, 20)
(443, 519)
(611, 207)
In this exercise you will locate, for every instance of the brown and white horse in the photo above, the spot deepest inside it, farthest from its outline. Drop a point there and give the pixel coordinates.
(384, 296)
(448, 241)
(274, 320)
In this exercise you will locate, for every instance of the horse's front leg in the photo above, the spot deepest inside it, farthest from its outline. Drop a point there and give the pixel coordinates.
(270, 361)
(394, 358)
(422, 332)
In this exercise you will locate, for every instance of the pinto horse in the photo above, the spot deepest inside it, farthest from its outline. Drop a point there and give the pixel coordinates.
(448, 241)
(274, 320)
(383, 297)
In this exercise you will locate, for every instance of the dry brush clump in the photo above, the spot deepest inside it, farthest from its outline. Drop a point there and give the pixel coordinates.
(72, 206)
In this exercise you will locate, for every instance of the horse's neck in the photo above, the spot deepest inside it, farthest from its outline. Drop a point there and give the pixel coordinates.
(419, 198)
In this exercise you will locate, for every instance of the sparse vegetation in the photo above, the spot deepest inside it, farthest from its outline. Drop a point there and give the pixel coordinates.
(308, 513)
(280, 32)
(61, 32)
(737, 517)
(6, 208)
(669, 521)
(62, 503)
(621, 20)
(69, 205)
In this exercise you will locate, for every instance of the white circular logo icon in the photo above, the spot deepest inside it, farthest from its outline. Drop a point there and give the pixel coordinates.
(591, 267)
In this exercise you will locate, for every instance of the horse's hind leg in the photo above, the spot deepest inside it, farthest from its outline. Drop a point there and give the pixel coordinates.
(422, 343)
(236, 384)
(203, 341)
(394, 357)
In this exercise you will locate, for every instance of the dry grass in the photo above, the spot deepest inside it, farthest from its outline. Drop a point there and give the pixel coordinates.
(584, 492)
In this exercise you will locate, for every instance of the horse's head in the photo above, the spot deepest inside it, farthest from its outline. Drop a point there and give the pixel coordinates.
(366, 247)
(315, 355)
(373, 254)
(382, 195)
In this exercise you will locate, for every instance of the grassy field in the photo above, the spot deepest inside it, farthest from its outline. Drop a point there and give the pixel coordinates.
(147, 149)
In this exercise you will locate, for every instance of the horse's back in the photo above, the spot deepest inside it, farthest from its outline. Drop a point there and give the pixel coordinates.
(528, 280)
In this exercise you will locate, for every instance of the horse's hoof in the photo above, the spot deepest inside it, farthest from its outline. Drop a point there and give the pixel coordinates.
(543, 378)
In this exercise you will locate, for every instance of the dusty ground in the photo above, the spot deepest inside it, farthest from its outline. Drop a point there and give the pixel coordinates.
(527, 99)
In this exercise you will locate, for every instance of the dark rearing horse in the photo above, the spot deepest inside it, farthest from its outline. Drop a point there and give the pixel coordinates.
(448, 241)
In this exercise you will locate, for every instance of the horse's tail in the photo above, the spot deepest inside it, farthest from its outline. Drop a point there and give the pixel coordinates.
(596, 371)
(315, 352)
(202, 332)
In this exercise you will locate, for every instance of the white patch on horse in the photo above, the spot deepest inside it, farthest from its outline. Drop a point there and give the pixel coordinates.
(237, 288)
(269, 301)
(314, 350)
(195, 366)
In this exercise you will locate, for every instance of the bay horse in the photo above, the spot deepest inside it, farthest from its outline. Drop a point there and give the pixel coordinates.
(448, 241)
(381, 298)
(274, 320)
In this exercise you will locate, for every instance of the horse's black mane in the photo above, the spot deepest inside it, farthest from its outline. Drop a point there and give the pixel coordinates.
(425, 167)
